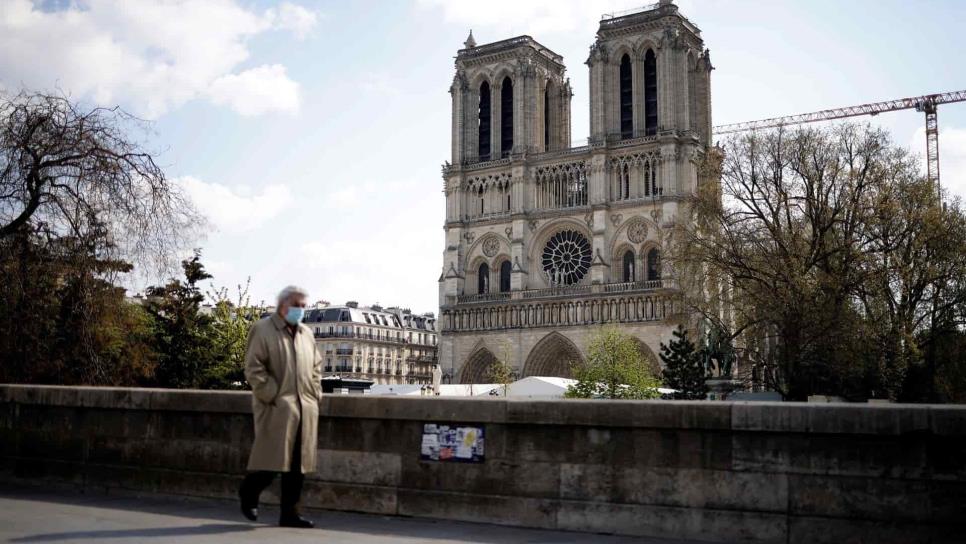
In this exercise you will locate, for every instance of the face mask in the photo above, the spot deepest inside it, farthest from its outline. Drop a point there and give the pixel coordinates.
(294, 315)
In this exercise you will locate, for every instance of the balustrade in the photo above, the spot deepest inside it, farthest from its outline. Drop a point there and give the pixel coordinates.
(621, 303)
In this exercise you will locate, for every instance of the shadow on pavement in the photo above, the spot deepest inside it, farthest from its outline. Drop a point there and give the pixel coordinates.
(346, 525)
(159, 532)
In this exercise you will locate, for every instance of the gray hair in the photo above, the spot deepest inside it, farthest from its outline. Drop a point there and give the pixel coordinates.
(289, 292)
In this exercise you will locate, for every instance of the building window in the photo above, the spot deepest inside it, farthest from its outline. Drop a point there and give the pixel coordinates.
(626, 99)
(625, 183)
(484, 128)
(483, 279)
(650, 93)
(628, 266)
(505, 277)
(506, 116)
(546, 118)
(653, 265)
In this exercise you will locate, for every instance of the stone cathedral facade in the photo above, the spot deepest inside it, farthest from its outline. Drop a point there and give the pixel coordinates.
(546, 242)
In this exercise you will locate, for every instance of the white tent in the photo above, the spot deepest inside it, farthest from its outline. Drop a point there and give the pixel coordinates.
(547, 387)
(466, 390)
(398, 389)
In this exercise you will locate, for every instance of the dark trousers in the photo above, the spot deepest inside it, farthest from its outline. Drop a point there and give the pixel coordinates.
(256, 482)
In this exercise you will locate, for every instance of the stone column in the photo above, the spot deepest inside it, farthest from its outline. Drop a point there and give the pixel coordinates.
(471, 149)
(456, 91)
(496, 120)
(596, 65)
(637, 73)
(597, 178)
(563, 128)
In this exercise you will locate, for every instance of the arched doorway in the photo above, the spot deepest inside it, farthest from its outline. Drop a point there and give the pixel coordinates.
(477, 367)
(652, 361)
(554, 355)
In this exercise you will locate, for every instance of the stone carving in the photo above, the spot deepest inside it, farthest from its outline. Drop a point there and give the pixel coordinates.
(533, 224)
(616, 219)
(509, 232)
(589, 219)
(656, 215)
(637, 231)
(491, 246)
(469, 236)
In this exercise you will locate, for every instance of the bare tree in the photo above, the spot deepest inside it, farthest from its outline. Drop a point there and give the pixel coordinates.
(824, 254)
(68, 171)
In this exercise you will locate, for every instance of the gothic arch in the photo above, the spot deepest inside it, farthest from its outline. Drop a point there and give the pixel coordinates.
(620, 235)
(644, 46)
(553, 356)
(619, 50)
(653, 362)
(479, 77)
(617, 261)
(477, 367)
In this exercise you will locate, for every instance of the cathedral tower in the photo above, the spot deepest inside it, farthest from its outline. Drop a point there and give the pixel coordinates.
(546, 242)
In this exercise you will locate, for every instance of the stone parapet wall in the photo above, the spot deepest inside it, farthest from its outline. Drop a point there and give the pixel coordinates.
(716, 471)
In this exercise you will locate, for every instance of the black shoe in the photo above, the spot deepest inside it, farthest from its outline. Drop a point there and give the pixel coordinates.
(249, 507)
(295, 520)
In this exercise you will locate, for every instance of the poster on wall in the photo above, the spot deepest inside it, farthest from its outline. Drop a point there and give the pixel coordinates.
(452, 443)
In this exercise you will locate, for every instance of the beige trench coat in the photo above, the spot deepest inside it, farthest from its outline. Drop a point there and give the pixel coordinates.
(285, 375)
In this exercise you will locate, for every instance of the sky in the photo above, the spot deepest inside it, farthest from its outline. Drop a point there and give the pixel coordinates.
(311, 134)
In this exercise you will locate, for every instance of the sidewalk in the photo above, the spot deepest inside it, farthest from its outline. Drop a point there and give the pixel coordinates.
(36, 515)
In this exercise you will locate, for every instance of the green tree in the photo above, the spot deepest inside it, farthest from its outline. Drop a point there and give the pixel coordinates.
(63, 321)
(616, 369)
(182, 333)
(231, 322)
(683, 369)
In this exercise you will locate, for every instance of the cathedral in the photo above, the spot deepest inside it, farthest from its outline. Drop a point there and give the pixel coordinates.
(546, 242)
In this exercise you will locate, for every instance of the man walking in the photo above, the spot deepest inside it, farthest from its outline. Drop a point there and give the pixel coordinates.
(284, 369)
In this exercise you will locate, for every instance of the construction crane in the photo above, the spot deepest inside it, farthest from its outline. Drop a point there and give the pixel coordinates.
(927, 104)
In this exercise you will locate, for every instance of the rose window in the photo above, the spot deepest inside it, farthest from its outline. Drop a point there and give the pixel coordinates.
(566, 258)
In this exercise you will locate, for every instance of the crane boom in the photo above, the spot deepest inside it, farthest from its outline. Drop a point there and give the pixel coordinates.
(918, 102)
(926, 104)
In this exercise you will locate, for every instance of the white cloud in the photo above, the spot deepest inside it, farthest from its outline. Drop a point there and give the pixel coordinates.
(534, 17)
(294, 18)
(149, 56)
(257, 91)
(236, 210)
(952, 157)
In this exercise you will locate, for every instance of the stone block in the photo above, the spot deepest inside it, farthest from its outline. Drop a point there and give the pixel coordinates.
(198, 484)
(893, 456)
(48, 470)
(189, 400)
(945, 456)
(671, 522)
(493, 477)
(372, 435)
(696, 488)
(358, 467)
(423, 409)
(603, 413)
(350, 498)
(847, 497)
(829, 418)
(819, 530)
(498, 509)
(948, 420)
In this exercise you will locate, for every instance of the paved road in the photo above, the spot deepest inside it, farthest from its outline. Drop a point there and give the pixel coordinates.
(33, 515)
